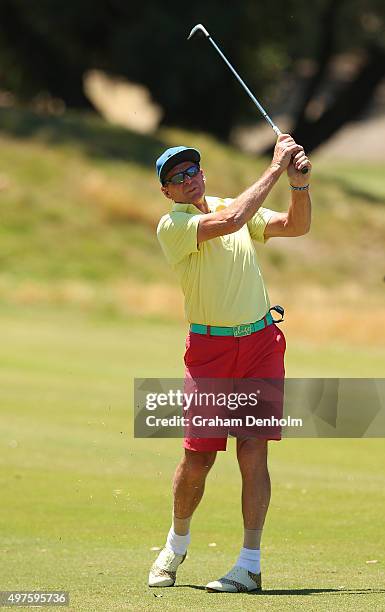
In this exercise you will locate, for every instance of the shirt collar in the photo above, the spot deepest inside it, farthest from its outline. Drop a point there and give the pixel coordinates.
(192, 209)
(188, 208)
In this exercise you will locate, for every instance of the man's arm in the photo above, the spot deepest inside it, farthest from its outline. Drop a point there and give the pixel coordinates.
(242, 209)
(296, 221)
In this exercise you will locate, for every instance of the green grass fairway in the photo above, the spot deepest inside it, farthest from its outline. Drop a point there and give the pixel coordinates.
(83, 503)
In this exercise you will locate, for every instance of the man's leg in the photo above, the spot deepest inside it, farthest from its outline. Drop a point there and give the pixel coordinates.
(256, 490)
(260, 356)
(188, 486)
(246, 574)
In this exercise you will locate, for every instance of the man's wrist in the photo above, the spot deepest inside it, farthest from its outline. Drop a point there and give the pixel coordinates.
(295, 187)
(293, 182)
(276, 170)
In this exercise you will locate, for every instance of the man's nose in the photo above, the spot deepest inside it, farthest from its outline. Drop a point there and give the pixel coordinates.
(187, 178)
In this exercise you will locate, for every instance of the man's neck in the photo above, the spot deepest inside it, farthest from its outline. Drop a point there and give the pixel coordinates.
(202, 205)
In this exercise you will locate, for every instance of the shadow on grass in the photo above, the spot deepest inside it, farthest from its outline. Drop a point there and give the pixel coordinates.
(298, 592)
(88, 132)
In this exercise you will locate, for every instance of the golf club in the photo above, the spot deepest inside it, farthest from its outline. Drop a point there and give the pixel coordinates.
(201, 28)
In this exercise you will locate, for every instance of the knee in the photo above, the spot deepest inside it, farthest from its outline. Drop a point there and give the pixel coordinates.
(199, 463)
(252, 456)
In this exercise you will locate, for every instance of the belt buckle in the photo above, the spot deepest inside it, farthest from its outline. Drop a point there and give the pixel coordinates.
(242, 330)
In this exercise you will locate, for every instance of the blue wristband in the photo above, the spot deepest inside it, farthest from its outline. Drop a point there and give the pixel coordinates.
(304, 188)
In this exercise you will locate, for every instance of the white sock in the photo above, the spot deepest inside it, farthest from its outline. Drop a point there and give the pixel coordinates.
(177, 543)
(250, 559)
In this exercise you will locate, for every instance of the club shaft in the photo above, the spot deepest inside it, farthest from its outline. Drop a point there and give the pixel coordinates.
(264, 114)
(247, 90)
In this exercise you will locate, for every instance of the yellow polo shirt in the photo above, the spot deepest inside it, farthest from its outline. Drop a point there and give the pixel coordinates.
(220, 278)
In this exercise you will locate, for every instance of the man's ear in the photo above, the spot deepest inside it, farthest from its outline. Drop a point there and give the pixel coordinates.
(165, 192)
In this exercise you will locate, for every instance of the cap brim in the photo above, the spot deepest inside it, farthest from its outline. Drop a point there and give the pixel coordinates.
(185, 155)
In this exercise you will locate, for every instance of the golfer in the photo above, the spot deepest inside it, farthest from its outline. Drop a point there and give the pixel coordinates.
(210, 243)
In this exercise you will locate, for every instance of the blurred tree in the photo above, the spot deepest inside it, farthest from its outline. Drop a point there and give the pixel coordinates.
(357, 27)
(48, 45)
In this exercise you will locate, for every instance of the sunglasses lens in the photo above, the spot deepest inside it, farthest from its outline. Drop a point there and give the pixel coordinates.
(193, 171)
(177, 179)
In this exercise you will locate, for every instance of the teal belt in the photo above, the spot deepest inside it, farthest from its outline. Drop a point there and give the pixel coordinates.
(238, 330)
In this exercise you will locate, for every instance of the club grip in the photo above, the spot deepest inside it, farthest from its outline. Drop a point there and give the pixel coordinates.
(304, 170)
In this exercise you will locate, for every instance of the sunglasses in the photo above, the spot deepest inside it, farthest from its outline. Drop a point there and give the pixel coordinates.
(179, 178)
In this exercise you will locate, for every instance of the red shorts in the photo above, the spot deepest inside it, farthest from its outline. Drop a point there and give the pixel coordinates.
(257, 356)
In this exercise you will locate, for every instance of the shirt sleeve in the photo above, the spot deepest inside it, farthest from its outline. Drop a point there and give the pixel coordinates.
(177, 234)
(258, 223)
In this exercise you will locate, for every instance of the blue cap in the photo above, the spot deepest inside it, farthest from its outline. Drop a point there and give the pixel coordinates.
(173, 156)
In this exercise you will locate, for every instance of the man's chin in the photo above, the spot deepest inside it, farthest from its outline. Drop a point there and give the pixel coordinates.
(195, 195)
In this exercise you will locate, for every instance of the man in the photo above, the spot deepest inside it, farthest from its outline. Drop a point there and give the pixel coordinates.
(210, 243)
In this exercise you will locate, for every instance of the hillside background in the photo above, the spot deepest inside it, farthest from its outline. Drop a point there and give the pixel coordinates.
(90, 96)
(80, 203)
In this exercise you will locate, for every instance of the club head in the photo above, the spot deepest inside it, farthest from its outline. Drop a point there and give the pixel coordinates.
(198, 27)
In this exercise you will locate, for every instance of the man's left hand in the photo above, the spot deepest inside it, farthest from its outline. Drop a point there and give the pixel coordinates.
(298, 162)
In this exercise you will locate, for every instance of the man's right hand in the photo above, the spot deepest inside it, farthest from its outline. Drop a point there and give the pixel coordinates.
(284, 150)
